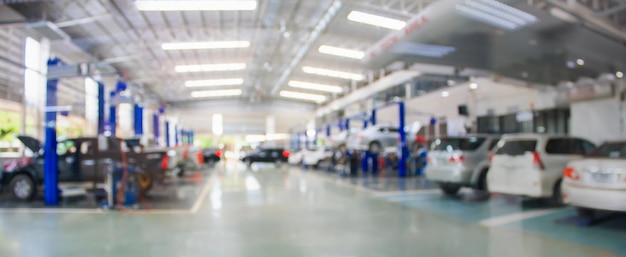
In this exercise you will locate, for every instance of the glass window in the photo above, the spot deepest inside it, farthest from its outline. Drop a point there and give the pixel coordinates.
(565, 146)
(610, 150)
(517, 147)
(493, 144)
(463, 144)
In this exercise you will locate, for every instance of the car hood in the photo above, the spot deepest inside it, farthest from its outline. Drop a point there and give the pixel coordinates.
(30, 142)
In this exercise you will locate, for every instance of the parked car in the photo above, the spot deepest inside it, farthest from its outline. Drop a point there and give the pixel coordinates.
(274, 155)
(86, 159)
(334, 141)
(598, 181)
(532, 164)
(455, 162)
(296, 157)
(315, 156)
(374, 138)
(212, 156)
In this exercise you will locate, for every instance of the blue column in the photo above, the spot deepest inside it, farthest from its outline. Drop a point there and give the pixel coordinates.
(373, 118)
(113, 113)
(328, 130)
(155, 127)
(101, 101)
(347, 124)
(138, 119)
(167, 134)
(298, 146)
(192, 136)
(51, 168)
(176, 135)
(403, 147)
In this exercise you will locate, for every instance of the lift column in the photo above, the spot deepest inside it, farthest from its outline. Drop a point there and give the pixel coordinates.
(167, 134)
(155, 128)
(403, 147)
(51, 175)
(138, 119)
(101, 101)
(112, 114)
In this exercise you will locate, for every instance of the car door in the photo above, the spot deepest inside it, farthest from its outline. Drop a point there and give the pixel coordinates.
(87, 159)
(67, 162)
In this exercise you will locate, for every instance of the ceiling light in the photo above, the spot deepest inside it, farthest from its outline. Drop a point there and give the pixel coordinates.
(213, 82)
(332, 73)
(210, 67)
(473, 86)
(205, 45)
(445, 94)
(354, 54)
(216, 93)
(619, 74)
(303, 96)
(495, 13)
(375, 20)
(168, 5)
(580, 62)
(315, 86)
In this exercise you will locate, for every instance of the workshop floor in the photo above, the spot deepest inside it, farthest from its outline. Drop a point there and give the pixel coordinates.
(286, 211)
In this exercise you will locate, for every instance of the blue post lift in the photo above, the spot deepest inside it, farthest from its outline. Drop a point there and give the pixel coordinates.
(51, 175)
(112, 114)
(167, 134)
(404, 151)
(155, 127)
(101, 101)
(138, 119)
(176, 135)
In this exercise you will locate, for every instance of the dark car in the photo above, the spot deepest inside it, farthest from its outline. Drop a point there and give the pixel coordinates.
(212, 156)
(86, 159)
(275, 155)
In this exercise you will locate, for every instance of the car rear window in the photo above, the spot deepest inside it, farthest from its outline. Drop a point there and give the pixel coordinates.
(610, 150)
(567, 146)
(463, 144)
(517, 147)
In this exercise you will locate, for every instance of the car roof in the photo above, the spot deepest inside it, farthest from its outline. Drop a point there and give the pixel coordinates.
(473, 135)
(535, 136)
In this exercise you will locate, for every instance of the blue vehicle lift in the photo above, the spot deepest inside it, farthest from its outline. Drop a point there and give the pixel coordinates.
(402, 124)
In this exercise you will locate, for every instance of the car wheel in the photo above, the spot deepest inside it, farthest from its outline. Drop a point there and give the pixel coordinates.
(145, 182)
(374, 147)
(450, 189)
(248, 163)
(482, 181)
(23, 187)
(586, 212)
(557, 196)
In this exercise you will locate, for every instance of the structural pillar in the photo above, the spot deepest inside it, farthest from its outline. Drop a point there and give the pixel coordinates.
(101, 101)
(51, 174)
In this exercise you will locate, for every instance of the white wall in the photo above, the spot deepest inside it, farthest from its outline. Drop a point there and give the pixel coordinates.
(502, 97)
(597, 120)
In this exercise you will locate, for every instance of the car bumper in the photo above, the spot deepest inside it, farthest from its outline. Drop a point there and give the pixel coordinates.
(457, 175)
(595, 198)
(537, 192)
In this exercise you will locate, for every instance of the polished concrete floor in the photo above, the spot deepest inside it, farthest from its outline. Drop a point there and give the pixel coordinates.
(291, 212)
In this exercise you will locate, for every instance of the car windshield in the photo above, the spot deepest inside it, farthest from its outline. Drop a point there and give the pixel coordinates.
(610, 150)
(517, 147)
(463, 144)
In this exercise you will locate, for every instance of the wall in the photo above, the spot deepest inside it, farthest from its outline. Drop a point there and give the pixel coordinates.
(500, 97)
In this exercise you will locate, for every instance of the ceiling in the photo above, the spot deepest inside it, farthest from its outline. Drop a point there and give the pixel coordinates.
(115, 32)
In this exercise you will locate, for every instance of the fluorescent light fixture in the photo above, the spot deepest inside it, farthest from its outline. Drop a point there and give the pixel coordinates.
(210, 67)
(213, 5)
(315, 86)
(343, 52)
(216, 93)
(495, 13)
(332, 73)
(205, 45)
(619, 74)
(473, 86)
(445, 94)
(375, 20)
(303, 96)
(213, 82)
(428, 50)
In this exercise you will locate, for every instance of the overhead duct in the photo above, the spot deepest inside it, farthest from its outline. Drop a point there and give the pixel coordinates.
(49, 30)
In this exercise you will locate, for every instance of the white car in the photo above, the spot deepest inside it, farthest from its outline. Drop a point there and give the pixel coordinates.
(334, 141)
(598, 181)
(296, 158)
(374, 138)
(532, 164)
(313, 157)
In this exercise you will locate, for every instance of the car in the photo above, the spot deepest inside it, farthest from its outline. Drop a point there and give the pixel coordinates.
(340, 138)
(314, 156)
(296, 157)
(597, 181)
(532, 164)
(85, 159)
(212, 156)
(273, 155)
(455, 162)
(374, 138)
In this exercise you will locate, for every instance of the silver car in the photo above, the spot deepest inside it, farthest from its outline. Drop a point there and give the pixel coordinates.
(455, 162)
(374, 138)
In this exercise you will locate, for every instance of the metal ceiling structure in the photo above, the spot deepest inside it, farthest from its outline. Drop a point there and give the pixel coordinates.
(285, 35)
